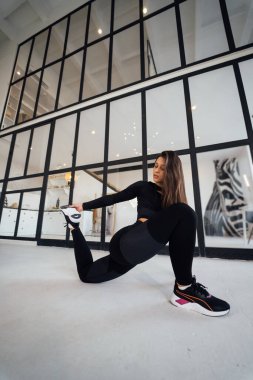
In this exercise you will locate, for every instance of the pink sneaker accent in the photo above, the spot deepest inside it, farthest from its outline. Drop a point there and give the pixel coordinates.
(182, 301)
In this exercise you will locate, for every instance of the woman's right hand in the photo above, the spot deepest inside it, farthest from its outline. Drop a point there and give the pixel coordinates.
(77, 206)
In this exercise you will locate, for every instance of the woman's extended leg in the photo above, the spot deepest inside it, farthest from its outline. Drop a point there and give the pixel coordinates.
(177, 225)
(103, 269)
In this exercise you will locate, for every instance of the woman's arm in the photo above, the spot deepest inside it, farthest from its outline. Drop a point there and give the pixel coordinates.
(130, 192)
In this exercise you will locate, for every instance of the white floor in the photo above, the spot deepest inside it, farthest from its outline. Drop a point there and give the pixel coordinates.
(53, 327)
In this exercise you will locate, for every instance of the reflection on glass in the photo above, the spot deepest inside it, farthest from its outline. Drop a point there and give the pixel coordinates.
(161, 43)
(48, 89)
(70, 84)
(29, 98)
(166, 118)
(203, 29)
(56, 43)
(77, 29)
(57, 195)
(12, 105)
(5, 143)
(125, 128)
(37, 150)
(226, 195)
(38, 51)
(88, 185)
(21, 184)
(22, 60)
(125, 12)
(91, 136)
(29, 214)
(9, 215)
(62, 150)
(241, 20)
(100, 19)
(126, 57)
(216, 94)
(123, 213)
(246, 69)
(20, 154)
(150, 6)
(96, 69)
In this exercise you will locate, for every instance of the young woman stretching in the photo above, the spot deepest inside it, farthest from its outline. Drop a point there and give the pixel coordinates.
(163, 216)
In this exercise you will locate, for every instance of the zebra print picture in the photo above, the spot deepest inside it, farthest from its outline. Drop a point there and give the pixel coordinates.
(223, 214)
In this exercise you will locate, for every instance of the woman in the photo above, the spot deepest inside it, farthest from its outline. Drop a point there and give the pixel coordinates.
(163, 216)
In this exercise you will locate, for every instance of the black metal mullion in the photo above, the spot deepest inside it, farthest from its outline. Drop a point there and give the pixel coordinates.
(109, 77)
(84, 54)
(24, 82)
(18, 213)
(195, 176)
(180, 35)
(42, 71)
(226, 22)
(105, 172)
(245, 108)
(62, 65)
(28, 152)
(144, 136)
(45, 180)
(142, 41)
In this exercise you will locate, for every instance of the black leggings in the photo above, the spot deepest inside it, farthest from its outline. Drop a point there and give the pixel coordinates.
(139, 242)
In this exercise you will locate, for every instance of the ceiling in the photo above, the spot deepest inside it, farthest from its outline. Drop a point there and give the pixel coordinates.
(20, 19)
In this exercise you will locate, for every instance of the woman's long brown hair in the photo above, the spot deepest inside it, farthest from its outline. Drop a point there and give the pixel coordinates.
(173, 190)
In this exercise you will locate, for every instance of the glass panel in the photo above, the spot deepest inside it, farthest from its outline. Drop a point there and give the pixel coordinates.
(91, 136)
(38, 51)
(21, 184)
(241, 20)
(227, 198)
(166, 118)
(246, 69)
(125, 12)
(5, 143)
(9, 215)
(57, 195)
(125, 128)
(29, 214)
(161, 43)
(89, 186)
(203, 29)
(96, 69)
(19, 155)
(12, 105)
(100, 19)
(38, 151)
(126, 57)
(215, 94)
(62, 151)
(48, 89)
(29, 98)
(56, 43)
(22, 60)
(123, 213)
(77, 29)
(150, 6)
(70, 85)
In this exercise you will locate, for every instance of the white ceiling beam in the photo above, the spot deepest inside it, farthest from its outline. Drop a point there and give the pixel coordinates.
(9, 30)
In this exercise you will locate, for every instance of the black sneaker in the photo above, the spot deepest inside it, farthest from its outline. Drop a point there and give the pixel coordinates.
(72, 216)
(197, 298)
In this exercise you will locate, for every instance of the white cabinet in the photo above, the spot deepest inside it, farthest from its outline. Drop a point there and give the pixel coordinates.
(8, 221)
(28, 223)
(53, 223)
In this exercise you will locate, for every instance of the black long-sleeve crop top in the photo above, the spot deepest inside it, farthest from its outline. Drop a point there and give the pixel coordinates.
(147, 193)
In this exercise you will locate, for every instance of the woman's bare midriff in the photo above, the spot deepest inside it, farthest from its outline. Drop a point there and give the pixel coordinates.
(142, 220)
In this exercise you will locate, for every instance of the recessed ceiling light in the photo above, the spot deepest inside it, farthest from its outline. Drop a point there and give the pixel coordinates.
(117, 155)
(18, 73)
(100, 31)
(145, 10)
(93, 132)
(194, 107)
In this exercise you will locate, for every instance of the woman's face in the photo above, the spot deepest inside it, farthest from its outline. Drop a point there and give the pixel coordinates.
(159, 171)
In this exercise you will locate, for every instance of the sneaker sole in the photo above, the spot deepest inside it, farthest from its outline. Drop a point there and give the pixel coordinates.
(193, 306)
